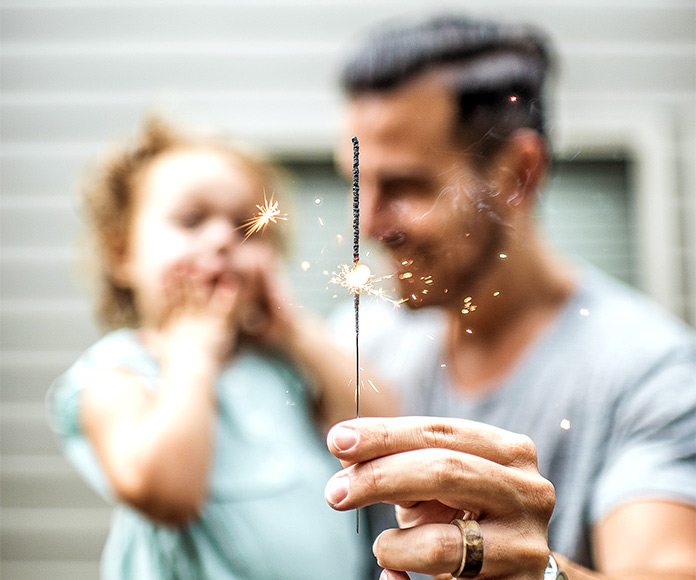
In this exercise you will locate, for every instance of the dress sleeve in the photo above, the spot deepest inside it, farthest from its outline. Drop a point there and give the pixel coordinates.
(652, 454)
(64, 400)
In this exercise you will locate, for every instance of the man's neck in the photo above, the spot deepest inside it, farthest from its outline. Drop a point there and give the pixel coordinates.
(495, 325)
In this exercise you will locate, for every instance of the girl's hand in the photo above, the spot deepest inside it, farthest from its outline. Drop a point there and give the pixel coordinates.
(265, 315)
(198, 313)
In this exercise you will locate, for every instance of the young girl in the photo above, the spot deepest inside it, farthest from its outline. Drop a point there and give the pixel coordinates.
(189, 414)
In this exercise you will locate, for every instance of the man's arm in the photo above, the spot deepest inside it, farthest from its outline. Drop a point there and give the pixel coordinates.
(643, 540)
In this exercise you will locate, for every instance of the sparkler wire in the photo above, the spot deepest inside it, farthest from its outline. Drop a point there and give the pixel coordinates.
(356, 259)
(356, 294)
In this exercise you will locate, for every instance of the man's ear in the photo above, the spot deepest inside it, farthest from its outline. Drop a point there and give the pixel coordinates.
(520, 167)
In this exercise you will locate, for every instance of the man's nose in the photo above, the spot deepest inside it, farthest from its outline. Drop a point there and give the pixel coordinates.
(370, 213)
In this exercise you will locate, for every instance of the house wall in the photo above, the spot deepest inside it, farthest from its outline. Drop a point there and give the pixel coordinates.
(76, 74)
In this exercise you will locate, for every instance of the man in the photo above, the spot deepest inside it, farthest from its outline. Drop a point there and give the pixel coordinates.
(601, 386)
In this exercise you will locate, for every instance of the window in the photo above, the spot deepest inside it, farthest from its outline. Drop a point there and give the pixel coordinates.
(585, 210)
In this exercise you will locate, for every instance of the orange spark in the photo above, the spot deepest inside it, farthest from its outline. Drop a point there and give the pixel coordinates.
(268, 212)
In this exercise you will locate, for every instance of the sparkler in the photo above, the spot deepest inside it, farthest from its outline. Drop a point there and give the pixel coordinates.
(356, 292)
(268, 212)
(358, 279)
(360, 274)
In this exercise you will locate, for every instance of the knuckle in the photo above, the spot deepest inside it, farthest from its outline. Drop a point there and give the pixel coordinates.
(379, 548)
(447, 469)
(539, 499)
(546, 497)
(375, 476)
(383, 435)
(526, 545)
(523, 451)
(442, 546)
(534, 558)
(437, 434)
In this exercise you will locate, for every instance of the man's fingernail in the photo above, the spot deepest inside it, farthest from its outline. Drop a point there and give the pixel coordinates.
(336, 490)
(344, 438)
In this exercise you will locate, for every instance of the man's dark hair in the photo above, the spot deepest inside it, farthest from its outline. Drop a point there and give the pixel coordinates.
(498, 73)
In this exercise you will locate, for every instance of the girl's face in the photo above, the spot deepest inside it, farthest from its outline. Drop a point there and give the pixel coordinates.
(190, 204)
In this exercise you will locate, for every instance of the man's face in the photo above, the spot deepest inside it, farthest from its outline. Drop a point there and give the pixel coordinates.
(420, 196)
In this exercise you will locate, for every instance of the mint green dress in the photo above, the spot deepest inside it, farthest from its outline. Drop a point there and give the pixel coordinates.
(265, 519)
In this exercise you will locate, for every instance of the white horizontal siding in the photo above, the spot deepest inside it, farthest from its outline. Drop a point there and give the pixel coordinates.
(76, 74)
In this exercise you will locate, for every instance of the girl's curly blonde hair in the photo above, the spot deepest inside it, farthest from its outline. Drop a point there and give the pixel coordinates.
(109, 193)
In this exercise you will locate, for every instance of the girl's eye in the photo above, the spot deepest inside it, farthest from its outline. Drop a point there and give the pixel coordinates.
(239, 222)
(190, 219)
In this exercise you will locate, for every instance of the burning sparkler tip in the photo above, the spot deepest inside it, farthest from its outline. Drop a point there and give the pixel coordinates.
(269, 212)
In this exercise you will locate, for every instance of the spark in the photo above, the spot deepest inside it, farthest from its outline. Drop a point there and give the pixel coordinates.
(305, 266)
(358, 279)
(584, 312)
(468, 305)
(565, 424)
(268, 212)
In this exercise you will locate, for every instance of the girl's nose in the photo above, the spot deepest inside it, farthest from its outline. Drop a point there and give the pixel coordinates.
(222, 235)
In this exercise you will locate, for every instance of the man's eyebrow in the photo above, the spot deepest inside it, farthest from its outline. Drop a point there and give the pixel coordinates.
(412, 175)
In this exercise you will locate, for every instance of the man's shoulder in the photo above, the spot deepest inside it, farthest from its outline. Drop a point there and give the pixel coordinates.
(621, 313)
(612, 334)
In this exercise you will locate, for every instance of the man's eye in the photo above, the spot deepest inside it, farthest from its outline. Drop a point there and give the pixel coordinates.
(405, 187)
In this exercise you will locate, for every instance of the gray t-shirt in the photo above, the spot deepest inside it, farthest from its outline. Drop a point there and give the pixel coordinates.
(608, 395)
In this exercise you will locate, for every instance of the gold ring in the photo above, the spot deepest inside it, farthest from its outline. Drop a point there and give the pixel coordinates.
(472, 543)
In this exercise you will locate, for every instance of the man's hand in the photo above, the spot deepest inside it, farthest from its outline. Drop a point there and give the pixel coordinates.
(435, 470)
